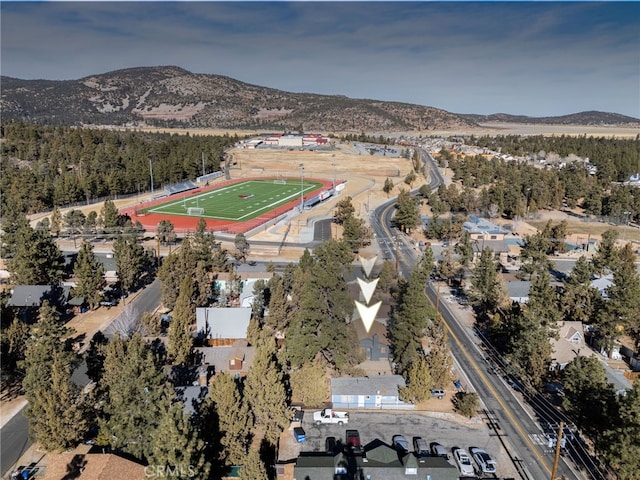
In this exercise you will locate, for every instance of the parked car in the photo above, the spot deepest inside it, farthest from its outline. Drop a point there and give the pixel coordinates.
(352, 441)
(438, 450)
(438, 393)
(420, 447)
(483, 459)
(400, 443)
(464, 462)
(331, 446)
(330, 416)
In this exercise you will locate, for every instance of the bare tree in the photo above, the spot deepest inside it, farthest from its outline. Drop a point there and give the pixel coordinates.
(126, 324)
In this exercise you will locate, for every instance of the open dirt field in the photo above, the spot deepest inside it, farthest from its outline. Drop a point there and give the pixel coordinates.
(489, 128)
(497, 128)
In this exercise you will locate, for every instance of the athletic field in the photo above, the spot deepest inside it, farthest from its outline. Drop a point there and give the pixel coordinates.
(239, 202)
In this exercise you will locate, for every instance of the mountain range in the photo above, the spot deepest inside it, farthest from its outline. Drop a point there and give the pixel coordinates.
(170, 96)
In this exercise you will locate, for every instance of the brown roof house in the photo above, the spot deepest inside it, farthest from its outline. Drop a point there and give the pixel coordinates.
(234, 359)
(91, 466)
(569, 344)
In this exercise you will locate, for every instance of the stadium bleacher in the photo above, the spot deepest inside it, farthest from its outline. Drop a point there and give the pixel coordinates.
(180, 187)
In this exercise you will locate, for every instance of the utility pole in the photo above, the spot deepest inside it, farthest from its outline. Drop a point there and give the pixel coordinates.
(151, 174)
(556, 458)
(334, 175)
(626, 226)
(301, 187)
(203, 174)
(397, 241)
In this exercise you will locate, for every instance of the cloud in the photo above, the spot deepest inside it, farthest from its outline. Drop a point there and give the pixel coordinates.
(479, 57)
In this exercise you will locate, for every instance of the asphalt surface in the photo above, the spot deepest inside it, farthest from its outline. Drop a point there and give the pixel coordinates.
(505, 413)
(14, 441)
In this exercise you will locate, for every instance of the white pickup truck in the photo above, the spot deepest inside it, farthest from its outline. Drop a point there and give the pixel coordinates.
(330, 416)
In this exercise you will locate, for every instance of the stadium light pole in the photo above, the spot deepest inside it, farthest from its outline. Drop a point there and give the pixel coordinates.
(334, 175)
(301, 187)
(151, 174)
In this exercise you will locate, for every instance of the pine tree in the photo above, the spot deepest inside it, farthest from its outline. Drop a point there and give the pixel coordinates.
(110, 216)
(166, 232)
(279, 306)
(56, 221)
(170, 274)
(354, 233)
(606, 259)
(621, 443)
(265, 390)
(203, 285)
(543, 301)
(234, 418)
(411, 319)
(253, 468)
(203, 243)
(14, 339)
(242, 246)
(309, 384)
(36, 259)
(388, 186)
(487, 290)
(55, 411)
(448, 267)
(177, 445)
(419, 382)
(90, 273)
(439, 358)
(136, 395)
(624, 293)
(180, 338)
(95, 356)
(589, 398)
(320, 325)
(344, 209)
(527, 344)
(578, 299)
(407, 216)
(132, 262)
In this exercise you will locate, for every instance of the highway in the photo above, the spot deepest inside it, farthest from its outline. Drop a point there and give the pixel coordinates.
(506, 413)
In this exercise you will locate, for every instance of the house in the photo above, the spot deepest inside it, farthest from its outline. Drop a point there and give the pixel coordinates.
(32, 296)
(374, 343)
(379, 461)
(248, 279)
(483, 229)
(569, 344)
(602, 284)
(235, 359)
(518, 290)
(223, 325)
(192, 396)
(500, 250)
(380, 392)
(79, 464)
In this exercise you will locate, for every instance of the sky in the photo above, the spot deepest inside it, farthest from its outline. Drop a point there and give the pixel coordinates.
(521, 58)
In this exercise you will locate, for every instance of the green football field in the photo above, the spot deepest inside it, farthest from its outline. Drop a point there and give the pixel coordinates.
(240, 202)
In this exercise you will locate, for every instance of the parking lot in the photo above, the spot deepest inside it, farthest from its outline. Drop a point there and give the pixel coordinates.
(448, 430)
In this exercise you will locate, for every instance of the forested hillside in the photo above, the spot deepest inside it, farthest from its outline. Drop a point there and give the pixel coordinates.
(46, 166)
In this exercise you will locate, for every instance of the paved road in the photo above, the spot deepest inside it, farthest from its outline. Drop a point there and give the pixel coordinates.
(14, 441)
(511, 418)
(504, 411)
